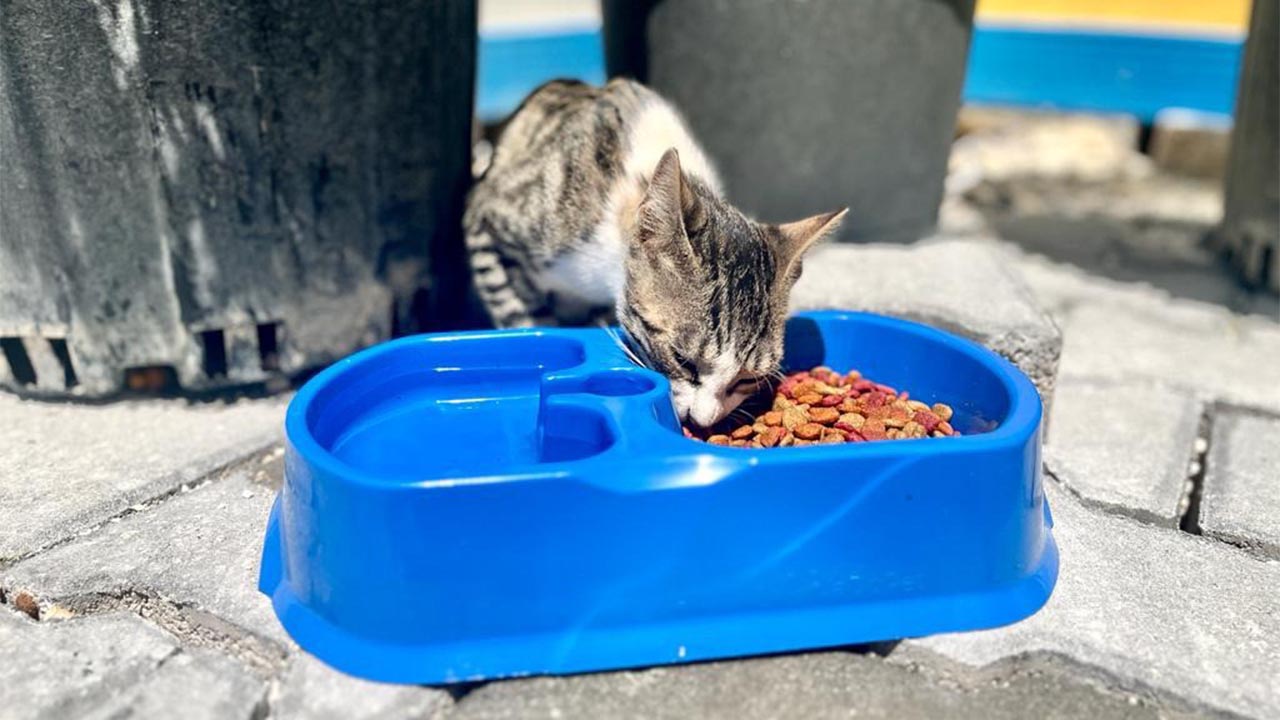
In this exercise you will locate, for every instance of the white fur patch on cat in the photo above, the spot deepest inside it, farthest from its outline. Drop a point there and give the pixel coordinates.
(658, 128)
(708, 401)
(593, 274)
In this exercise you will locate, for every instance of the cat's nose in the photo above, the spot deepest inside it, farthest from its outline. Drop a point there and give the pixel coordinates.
(704, 415)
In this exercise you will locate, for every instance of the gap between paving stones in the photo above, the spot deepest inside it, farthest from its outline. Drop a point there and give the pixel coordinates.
(1189, 522)
(1141, 518)
(190, 625)
(148, 503)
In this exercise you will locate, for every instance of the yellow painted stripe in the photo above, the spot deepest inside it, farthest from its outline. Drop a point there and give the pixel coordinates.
(1210, 14)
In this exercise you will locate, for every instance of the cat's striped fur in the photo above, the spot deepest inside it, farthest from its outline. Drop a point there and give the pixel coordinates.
(598, 204)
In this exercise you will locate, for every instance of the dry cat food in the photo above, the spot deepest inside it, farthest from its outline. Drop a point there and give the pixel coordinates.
(822, 406)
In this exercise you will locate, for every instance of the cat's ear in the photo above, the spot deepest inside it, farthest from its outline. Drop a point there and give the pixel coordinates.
(668, 202)
(795, 239)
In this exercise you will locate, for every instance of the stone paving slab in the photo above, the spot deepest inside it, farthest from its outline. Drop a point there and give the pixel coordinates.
(1125, 447)
(311, 690)
(65, 468)
(1220, 356)
(1125, 331)
(115, 665)
(190, 563)
(1240, 502)
(965, 286)
(1149, 607)
(809, 687)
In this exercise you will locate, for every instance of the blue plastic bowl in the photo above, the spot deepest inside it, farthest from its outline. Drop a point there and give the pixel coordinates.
(478, 505)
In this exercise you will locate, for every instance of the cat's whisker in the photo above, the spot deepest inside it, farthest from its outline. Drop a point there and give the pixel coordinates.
(622, 344)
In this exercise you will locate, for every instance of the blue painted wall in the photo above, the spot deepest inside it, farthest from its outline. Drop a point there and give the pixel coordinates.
(1120, 72)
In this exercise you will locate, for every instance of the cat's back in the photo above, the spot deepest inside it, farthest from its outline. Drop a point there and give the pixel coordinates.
(555, 163)
(621, 127)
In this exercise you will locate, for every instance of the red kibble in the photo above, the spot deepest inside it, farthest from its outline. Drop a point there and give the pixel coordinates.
(927, 419)
(831, 400)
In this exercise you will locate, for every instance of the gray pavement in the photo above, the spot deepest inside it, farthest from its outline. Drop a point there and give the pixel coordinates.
(1241, 498)
(1125, 447)
(69, 467)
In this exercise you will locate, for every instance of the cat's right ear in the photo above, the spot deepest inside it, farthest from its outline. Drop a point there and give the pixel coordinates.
(795, 239)
(660, 217)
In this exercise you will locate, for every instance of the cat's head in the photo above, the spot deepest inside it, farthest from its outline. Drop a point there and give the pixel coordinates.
(707, 290)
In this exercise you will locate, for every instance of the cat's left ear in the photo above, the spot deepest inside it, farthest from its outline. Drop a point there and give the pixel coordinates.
(795, 239)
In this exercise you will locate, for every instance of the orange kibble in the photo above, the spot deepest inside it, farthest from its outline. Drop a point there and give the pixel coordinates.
(772, 436)
(942, 411)
(811, 398)
(852, 419)
(897, 417)
(803, 388)
(773, 418)
(794, 417)
(826, 389)
(872, 429)
(719, 440)
(742, 433)
(824, 415)
(809, 431)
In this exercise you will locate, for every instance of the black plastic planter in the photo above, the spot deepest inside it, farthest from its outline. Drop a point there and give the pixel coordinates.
(197, 194)
(809, 105)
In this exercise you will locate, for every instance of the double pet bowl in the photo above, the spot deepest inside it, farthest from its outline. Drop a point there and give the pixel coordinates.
(491, 504)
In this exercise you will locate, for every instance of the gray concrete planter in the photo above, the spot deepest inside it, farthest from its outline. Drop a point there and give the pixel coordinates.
(199, 194)
(808, 105)
(1250, 231)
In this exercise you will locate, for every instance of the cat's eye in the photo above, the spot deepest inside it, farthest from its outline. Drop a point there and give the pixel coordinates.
(686, 365)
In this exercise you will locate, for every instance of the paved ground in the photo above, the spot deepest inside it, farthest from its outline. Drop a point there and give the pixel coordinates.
(130, 533)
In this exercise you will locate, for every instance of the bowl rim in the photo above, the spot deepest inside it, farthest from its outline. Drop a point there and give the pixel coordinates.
(1022, 418)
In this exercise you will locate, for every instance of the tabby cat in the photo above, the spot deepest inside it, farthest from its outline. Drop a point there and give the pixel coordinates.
(599, 205)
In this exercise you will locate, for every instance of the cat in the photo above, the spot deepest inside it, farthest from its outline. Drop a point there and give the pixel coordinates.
(598, 206)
